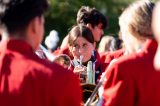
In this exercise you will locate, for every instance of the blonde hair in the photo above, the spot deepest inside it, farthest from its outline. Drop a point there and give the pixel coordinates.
(105, 43)
(137, 18)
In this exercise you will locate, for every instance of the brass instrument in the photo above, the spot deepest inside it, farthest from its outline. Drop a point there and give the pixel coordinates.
(87, 79)
(86, 74)
(49, 55)
(95, 91)
(87, 92)
(93, 99)
(43, 53)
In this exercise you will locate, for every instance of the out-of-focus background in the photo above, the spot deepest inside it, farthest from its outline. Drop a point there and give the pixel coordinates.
(62, 14)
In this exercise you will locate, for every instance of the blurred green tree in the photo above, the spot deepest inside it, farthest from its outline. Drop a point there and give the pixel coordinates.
(62, 14)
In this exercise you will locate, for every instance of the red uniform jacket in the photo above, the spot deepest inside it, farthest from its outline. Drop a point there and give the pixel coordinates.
(27, 80)
(107, 57)
(133, 81)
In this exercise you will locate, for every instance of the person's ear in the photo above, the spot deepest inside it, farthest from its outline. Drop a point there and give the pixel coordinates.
(35, 24)
(135, 33)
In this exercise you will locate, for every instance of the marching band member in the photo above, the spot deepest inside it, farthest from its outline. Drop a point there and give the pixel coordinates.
(94, 20)
(132, 79)
(81, 43)
(156, 30)
(25, 79)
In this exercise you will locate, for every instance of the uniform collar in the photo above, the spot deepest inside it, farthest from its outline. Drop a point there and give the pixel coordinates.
(150, 45)
(17, 45)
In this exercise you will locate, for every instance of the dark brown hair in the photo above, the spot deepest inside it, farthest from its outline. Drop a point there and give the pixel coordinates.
(92, 16)
(17, 14)
(80, 30)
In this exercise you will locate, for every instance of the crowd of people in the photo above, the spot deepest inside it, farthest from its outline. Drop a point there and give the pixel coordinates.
(123, 71)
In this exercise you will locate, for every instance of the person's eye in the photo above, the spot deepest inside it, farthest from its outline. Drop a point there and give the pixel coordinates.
(76, 46)
(84, 45)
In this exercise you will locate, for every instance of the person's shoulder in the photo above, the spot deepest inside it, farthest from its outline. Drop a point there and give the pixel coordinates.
(124, 67)
(48, 69)
(117, 53)
(128, 59)
(124, 63)
(132, 64)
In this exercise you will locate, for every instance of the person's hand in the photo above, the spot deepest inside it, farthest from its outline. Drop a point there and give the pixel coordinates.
(81, 71)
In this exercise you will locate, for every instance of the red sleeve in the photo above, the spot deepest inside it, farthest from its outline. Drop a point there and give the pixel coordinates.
(107, 57)
(56, 52)
(64, 50)
(118, 89)
(71, 68)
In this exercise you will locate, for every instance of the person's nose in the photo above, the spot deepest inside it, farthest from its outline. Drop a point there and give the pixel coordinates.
(80, 50)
